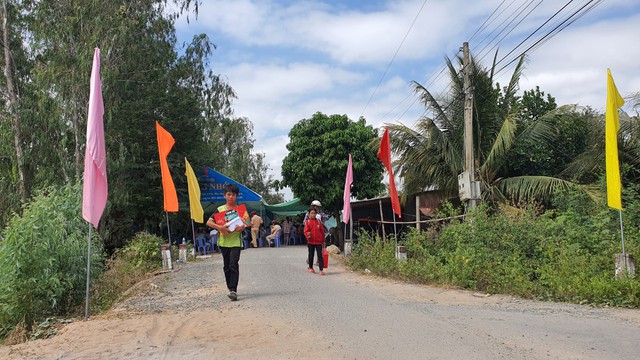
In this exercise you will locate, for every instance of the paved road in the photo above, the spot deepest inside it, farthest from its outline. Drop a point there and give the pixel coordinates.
(361, 316)
(283, 312)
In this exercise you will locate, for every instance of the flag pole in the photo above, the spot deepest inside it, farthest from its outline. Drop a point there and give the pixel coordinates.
(86, 306)
(168, 228)
(624, 254)
(193, 234)
(395, 232)
(384, 233)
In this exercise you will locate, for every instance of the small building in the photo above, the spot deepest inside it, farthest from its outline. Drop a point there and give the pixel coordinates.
(376, 215)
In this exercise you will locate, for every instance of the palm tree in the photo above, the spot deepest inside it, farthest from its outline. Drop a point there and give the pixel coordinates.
(589, 164)
(431, 154)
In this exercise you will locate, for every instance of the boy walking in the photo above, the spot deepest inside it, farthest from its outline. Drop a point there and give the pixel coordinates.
(230, 242)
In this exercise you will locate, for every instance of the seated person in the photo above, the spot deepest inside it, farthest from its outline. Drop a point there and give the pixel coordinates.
(275, 227)
(213, 234)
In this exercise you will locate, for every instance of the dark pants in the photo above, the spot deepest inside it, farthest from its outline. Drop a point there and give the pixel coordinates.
(317, 249)
(230, 258)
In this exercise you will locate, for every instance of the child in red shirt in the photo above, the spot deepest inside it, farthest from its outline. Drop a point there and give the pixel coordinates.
(314, 232)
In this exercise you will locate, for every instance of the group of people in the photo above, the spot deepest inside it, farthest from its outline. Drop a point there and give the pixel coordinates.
(230, 241)
(256, 223)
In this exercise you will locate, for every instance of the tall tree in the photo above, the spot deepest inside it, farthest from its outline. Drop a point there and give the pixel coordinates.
(316, 164)
(13, 108)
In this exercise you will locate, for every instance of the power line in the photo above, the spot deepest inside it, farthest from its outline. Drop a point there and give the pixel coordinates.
(573, 17)
(535, 31)
(513, 28)
(511, 18)
(394, 56)
(485, 21)
(521, 10)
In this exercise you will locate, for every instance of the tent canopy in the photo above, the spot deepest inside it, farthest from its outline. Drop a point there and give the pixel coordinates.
(211, 185)
(289, 208)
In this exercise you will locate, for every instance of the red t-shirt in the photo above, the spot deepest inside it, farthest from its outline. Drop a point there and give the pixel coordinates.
(314, 231)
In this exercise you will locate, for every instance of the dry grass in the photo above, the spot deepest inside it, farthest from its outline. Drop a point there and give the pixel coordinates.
(17, 335)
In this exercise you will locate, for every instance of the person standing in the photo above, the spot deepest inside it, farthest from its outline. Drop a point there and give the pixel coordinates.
(256, 222)
(314, 232)
(230, 242)
(316, 205)
(286, 230)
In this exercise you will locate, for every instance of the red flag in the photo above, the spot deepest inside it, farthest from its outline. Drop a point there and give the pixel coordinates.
(165, 143)
(94, 187)
(346, 208)
(384, 154)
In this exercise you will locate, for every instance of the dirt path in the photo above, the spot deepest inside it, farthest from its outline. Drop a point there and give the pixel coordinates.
(285, 313)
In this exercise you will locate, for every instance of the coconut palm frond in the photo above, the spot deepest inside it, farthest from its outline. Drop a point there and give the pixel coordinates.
(586, 163)
(428, 100)
(525, 188)
(595, 193)
(544, 128)
(512, 88)
(493, 66)
(499, 150)
(457, 81)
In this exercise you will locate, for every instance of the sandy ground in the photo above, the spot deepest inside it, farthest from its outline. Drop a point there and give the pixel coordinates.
(171, 336)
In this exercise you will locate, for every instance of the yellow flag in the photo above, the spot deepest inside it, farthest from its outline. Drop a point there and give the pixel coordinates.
(614, 186)
(194, 194)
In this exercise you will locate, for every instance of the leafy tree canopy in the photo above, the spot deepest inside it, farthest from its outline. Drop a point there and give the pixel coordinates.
(316, 165)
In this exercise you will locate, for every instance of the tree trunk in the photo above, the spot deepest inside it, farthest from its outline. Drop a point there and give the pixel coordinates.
(76, 132)
(13, 103)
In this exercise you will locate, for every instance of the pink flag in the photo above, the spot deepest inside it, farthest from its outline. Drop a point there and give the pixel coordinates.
(94, 191)
(346, 209)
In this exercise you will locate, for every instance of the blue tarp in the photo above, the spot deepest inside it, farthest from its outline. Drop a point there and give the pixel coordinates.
(211, 188)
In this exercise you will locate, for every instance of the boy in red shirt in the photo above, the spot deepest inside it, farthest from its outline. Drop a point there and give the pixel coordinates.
(314, 232)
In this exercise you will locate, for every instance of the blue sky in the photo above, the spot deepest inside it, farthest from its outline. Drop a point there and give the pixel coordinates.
(289, 59)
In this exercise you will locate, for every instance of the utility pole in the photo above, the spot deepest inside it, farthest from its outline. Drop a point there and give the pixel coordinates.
(468, 128)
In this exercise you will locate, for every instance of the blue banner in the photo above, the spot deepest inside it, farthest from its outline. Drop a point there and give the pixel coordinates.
(211, 187)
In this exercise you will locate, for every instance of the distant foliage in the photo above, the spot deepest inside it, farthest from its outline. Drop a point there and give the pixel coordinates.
(143, 252)
(43, 258)
(566, 255)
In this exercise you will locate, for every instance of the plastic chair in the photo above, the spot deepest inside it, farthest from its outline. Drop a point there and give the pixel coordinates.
(201, 246)
(292, 236)
(214, 242)
(276, 239)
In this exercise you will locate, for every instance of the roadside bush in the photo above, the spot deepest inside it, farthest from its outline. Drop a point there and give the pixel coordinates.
(143, 252)
(43, 258)
(562, 255)
(374, 254)
(125, 268)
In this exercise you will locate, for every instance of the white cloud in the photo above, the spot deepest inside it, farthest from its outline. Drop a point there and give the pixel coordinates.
(572, 67)
(287, 60)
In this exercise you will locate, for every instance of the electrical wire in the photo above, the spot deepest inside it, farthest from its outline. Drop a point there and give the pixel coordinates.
(553, 32)
(394, 57)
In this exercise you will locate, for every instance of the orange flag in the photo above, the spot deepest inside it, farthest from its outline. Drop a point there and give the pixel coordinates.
(165, 143)
(384, 154)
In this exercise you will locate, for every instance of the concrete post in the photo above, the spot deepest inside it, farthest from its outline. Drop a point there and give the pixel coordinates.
(630, 270)
(182, 253)
(167, 262)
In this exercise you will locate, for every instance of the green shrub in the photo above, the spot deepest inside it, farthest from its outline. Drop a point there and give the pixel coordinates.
(126, 267)
(143, 252)
(374, 254)
(562, 255)
(43, 258)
